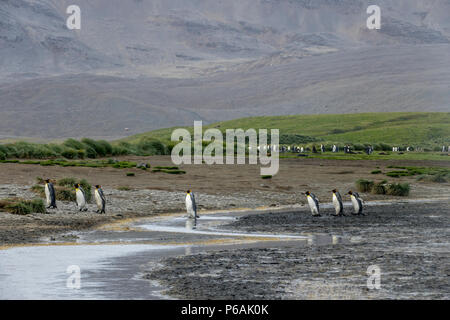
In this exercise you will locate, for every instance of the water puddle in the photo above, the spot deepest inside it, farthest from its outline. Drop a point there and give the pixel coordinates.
(114, 271)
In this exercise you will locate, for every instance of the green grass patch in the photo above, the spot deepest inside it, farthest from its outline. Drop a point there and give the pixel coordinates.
(382, 130)
(266, 177)
(376, 172)
(130, 174)
(22, 207)
(433, 174)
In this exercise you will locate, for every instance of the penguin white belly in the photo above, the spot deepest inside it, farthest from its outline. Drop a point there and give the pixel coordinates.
(98, 200)
(47, 195)
(312, 205)
(190, 207)
(355, 203)
(81, 201)
(336, 204)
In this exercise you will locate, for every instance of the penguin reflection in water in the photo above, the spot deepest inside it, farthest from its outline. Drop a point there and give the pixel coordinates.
(191, 208)
(357, 202)
(313, 202)
(50, 195)
(81, 197)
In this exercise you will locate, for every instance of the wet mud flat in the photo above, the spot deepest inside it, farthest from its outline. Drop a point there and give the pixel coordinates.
(409, 242)
(63, 223)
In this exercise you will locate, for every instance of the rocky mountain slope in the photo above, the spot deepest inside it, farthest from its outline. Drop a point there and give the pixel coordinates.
(147, 64)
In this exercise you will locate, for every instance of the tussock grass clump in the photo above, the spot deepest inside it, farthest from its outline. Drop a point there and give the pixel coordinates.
(65, 194)
(130, 174)
(37, 206)
(64, 189)
(74, 149)
(266, 177)
(439, 178)
(378, 188)
(22, 207)
(364, 185)
(39, 190)
(398, 189)
(167, 168)
(124, 188)
(67, 182)
(376, 172)
(39, 180)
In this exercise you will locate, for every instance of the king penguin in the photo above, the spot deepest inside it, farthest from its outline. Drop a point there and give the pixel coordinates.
(81, 197)
(357, 202)
(313, 203)
(337, 203)
(100, 199)
(50, 195)
(191, 206)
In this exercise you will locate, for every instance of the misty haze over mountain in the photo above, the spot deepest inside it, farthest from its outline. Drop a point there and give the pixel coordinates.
(148, 64)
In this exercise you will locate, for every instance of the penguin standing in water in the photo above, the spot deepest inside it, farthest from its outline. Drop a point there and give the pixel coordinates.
(50, 195)
(191, 205)
(313, 203)
(357, 202)
(81, 197)
(337, 203)
(191, 208)
(100, 199)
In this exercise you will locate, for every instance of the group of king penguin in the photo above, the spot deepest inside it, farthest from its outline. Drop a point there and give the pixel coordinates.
(313, 202)
(191, 206)
(357, 203)
(99, 196)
